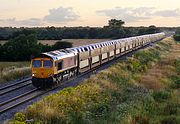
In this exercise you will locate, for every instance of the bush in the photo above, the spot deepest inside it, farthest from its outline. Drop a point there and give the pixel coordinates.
(176, 37)
(61, 45)
(169, 120)
(161, 95)
(140, 119)
(177, 65)
(13, 70)
(175, 81)
(70, 105)
(171, 109)
(135, 66)
(15, 73)
(147, 56)
(19, 118)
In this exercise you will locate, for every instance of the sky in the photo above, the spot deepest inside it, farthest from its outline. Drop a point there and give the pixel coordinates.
(95, 13)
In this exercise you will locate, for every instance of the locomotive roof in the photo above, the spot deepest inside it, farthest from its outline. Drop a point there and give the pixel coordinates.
(59, 54)
(69, 52)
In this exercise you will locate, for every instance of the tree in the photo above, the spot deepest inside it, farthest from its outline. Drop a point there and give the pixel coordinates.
(177, 31)
(114, 23)
(25, 32)
(21, 48)
(152, 29)
(177, 34)
(61, 45)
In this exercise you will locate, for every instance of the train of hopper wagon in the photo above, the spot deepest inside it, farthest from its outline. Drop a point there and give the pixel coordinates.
(51, 68)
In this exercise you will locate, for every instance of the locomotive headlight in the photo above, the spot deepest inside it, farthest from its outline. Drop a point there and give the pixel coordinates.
(50, 75)
(33, 74)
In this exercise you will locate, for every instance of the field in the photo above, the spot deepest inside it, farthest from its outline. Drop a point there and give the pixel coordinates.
(13, 70)
(144, 89)
(3, 42)
(75, 42)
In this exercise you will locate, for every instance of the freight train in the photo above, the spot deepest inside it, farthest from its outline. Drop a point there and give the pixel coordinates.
(51, 68)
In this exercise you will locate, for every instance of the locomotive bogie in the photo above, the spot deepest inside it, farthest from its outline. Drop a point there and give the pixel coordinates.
(42, 83)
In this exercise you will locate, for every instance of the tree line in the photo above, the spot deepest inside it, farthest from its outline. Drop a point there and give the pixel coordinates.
(23, 42)
(177, 34)
(115, 29)
(25, 46)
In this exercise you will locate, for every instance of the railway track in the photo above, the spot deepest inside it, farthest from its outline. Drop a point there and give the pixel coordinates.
(23, 98)
(15, 86)
(13, 102)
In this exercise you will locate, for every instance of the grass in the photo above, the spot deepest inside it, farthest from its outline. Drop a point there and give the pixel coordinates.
(2, 42)
(13, 70)
(140, 90)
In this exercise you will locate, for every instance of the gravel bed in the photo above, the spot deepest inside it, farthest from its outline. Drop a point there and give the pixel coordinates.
(16, 93)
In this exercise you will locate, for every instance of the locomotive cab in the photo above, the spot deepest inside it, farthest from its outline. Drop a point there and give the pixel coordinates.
(42, 72)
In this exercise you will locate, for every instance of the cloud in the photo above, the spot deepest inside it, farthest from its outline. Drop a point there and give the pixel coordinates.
(55, 16)
(168, 13)
(26, 22)
(137, 14)
(127, 14)
(32, 22)
(61, 15)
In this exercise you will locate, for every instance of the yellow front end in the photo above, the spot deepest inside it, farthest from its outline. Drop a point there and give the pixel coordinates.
(42, 68)
(42, 72)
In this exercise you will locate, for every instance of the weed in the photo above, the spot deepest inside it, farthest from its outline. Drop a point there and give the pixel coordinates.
(19, 118)
(171, 108)
(13, 70)
(177, 65)
(161, 95)
(175, 81)
(170, 120)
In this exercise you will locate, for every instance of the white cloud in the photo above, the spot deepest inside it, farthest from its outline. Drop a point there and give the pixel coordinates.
(55, 16)
(137, 14)
(61, 15)
(127, 14)
(168, 13)
(26, 22)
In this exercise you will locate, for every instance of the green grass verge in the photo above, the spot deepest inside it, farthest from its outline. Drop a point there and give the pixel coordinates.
(13, 70)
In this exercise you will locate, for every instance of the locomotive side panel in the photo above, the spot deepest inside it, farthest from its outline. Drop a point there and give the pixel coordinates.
(95, 52)
(104, 49)
(68, 62)
(84, 63)
(84, 55)
(118, 46)
(95, 59)
(123, 46)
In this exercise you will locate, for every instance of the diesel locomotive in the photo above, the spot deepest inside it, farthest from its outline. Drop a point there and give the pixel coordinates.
(51, 68)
